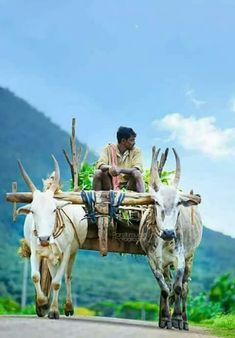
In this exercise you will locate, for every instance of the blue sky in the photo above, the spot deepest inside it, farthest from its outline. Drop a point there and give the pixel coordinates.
(165, 68)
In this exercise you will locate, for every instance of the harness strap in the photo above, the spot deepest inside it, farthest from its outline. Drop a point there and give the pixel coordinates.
(74, 228)
(59, 224)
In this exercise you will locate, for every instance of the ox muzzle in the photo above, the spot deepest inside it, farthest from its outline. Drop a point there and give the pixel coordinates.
(44, 240)
(168, 235)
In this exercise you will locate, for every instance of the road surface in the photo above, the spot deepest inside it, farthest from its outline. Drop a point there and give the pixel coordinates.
(88, 327)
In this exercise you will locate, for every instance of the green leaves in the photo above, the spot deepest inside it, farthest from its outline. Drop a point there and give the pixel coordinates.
(223, 291)
(166, 177)
(85, 177)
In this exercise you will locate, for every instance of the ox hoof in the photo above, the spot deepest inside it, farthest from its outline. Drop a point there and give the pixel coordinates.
(53, 315)
(185, 326)
(68, 309)
(41, 310)
(177, 323)
(165, 323)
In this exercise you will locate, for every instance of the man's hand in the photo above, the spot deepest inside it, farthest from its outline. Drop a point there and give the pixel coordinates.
(114, 171)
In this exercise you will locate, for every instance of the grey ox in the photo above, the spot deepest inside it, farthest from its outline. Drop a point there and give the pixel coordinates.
(170, 232)
(53, 229)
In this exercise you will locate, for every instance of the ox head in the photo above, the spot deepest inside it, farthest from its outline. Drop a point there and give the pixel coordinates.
(43, 206)
(167, 198)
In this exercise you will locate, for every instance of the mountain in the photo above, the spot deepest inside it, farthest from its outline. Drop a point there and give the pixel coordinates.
(29, 135)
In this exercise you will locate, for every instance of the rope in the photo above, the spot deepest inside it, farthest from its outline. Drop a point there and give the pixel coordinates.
(88, 198)
(115, 202)
(74, 228)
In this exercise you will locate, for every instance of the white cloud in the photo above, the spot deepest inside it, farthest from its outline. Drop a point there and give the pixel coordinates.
(197, 103)
(199, 134)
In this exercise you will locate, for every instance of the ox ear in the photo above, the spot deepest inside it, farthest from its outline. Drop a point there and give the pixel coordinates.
(24, 210)
(61, 204)
(188, 200)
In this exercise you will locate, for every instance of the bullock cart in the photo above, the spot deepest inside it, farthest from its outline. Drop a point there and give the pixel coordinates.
(167, 232)
(113, 223)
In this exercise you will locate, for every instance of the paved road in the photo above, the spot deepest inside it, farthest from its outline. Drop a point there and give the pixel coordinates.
(88, 327)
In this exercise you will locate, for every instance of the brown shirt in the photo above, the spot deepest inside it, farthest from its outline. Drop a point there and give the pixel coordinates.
(129, 159)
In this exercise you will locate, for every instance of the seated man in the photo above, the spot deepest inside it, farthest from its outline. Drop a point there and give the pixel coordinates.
(120, 165)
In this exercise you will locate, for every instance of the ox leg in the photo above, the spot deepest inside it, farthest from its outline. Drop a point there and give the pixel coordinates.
(57, 274)
(185, 289)
(68, 307)
(177, 320)
(164, 310)
(156, 267)
(41, 299)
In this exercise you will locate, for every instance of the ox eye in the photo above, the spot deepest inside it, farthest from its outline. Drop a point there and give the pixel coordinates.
(156, 202)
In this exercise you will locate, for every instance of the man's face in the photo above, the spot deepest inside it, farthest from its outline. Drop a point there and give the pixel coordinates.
(129, 143)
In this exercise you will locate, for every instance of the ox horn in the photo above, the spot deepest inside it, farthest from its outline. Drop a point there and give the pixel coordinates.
(26, 177)
(56, 182)
(155, 180)
(178, 170)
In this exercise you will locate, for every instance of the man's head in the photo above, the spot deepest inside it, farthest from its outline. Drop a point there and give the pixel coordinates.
(126, 137)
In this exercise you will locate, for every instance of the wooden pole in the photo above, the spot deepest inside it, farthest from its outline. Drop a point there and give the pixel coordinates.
(131, 198)
(14, 190)
(74, 156)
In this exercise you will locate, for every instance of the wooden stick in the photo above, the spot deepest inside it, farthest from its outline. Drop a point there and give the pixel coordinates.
(14, 190)
(70, 164)
(74, 156)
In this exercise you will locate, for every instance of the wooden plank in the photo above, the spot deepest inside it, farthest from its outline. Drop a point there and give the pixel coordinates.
(114, 245)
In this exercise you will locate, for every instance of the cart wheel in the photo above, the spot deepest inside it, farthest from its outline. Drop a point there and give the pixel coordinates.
(42, 310)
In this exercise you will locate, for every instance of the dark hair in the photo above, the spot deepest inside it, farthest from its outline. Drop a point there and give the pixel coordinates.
(124, 132)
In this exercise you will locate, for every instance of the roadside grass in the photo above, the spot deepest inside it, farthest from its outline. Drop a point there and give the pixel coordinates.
(221, 325)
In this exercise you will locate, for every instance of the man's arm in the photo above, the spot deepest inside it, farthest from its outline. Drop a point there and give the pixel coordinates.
(115, 171)
(105, 167)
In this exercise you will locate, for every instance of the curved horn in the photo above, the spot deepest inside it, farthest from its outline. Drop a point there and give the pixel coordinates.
(26, 177)
(155, 180)
(178, 170)
(56, 182)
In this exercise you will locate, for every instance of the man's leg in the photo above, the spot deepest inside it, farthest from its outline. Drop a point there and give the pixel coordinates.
(136, 182)
(102, 180)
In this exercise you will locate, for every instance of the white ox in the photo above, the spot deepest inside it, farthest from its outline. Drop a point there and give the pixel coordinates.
(53, 229)
(170, 232)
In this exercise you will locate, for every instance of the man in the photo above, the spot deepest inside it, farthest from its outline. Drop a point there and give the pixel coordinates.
(120, 165)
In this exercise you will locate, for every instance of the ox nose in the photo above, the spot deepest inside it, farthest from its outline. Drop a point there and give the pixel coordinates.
(44, 240)
(168, 235)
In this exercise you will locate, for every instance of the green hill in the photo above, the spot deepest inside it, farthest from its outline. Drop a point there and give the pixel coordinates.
(29, 135)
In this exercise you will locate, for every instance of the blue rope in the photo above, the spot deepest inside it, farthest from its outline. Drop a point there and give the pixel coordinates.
(113, 207)
(88, 198)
